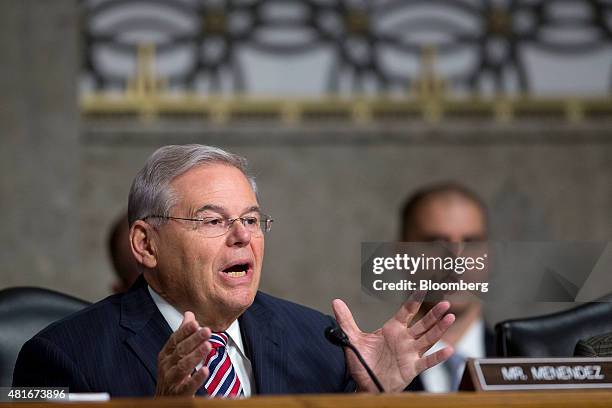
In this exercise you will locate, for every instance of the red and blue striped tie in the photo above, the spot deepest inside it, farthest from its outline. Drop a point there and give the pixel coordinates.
(222, 379)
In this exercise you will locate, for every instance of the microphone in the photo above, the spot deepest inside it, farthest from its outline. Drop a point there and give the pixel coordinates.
(336, 336)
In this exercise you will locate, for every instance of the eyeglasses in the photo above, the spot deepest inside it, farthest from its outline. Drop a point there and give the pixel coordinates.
(211, 227)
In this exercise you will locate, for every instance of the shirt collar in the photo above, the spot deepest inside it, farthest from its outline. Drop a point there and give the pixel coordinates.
(175, 318)
(471, 344)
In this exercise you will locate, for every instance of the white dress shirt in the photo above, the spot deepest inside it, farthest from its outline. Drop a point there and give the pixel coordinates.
(471, 345)
(235, 348)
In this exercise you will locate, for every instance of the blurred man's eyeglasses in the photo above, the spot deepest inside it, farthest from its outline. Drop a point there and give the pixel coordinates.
(211, 227)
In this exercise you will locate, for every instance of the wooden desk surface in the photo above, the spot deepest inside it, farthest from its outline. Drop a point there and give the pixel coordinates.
(556, 399)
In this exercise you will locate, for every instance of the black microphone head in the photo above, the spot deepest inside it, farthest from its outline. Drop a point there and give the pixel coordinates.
(336, 336)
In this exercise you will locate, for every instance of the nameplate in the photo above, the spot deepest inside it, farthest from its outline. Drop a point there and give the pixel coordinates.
(514, 374)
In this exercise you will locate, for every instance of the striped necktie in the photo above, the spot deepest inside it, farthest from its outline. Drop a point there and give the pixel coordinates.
(222, 379)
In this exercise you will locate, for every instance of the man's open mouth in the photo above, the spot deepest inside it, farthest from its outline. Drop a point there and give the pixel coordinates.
(237, 270)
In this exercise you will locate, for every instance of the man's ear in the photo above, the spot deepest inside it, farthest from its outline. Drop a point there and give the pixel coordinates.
(143, 245)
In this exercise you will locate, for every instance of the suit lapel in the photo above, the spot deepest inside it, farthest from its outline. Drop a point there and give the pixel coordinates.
(150, 331)
(416, 385)
(265, 345)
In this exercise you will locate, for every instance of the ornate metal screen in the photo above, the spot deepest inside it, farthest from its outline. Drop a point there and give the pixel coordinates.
(207, 36)
(377, 47)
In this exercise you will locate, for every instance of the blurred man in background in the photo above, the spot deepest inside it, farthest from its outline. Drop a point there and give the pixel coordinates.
(450, 213)
(120, 252)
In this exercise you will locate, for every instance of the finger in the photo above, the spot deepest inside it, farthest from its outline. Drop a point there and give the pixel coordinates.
(185, 366)
(344, 317)
(189, 322)
(196, 381)
(432, 359)
(190, 343)
(429, 320)
(418, 296)
(433, 335)
(410, 307)
(188, 326)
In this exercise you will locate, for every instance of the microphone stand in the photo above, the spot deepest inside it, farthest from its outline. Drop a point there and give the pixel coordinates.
(336, 336)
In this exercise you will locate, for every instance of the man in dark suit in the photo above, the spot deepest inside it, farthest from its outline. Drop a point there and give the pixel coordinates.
(195, 323)
(450, 213)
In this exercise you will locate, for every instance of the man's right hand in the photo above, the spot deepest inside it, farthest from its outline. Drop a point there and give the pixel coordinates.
(176, 362)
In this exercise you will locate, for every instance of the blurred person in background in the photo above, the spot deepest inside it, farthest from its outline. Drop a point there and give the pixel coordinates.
(450, 213)
(120, 253)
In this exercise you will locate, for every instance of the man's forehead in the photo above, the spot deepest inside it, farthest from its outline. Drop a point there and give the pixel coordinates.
(453, 208)
(450, 200)
(449, 218)
(212, 179)
(216, 187)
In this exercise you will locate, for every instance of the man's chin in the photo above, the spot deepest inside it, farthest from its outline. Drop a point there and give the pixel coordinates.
(239, 299)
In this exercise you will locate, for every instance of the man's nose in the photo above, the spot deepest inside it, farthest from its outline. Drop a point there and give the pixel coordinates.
(238, 234)
(456, 246)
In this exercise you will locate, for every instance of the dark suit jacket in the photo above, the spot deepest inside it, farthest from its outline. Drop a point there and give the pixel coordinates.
(489, 341)
(112, 346)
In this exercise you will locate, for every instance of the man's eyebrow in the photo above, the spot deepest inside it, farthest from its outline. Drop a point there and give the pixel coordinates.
(254, 208)
(221, 210)
(212, 207)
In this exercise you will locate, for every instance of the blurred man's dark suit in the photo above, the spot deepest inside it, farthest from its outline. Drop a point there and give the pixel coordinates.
(596, 346)
(112, 346)
(490, 351)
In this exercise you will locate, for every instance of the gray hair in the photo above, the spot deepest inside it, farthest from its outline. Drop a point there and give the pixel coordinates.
(151, 193)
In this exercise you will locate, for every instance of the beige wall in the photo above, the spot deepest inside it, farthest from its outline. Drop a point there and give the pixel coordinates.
(331, 189)
(39, 144)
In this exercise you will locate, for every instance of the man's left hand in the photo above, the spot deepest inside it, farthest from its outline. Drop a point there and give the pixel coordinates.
(395, 352)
